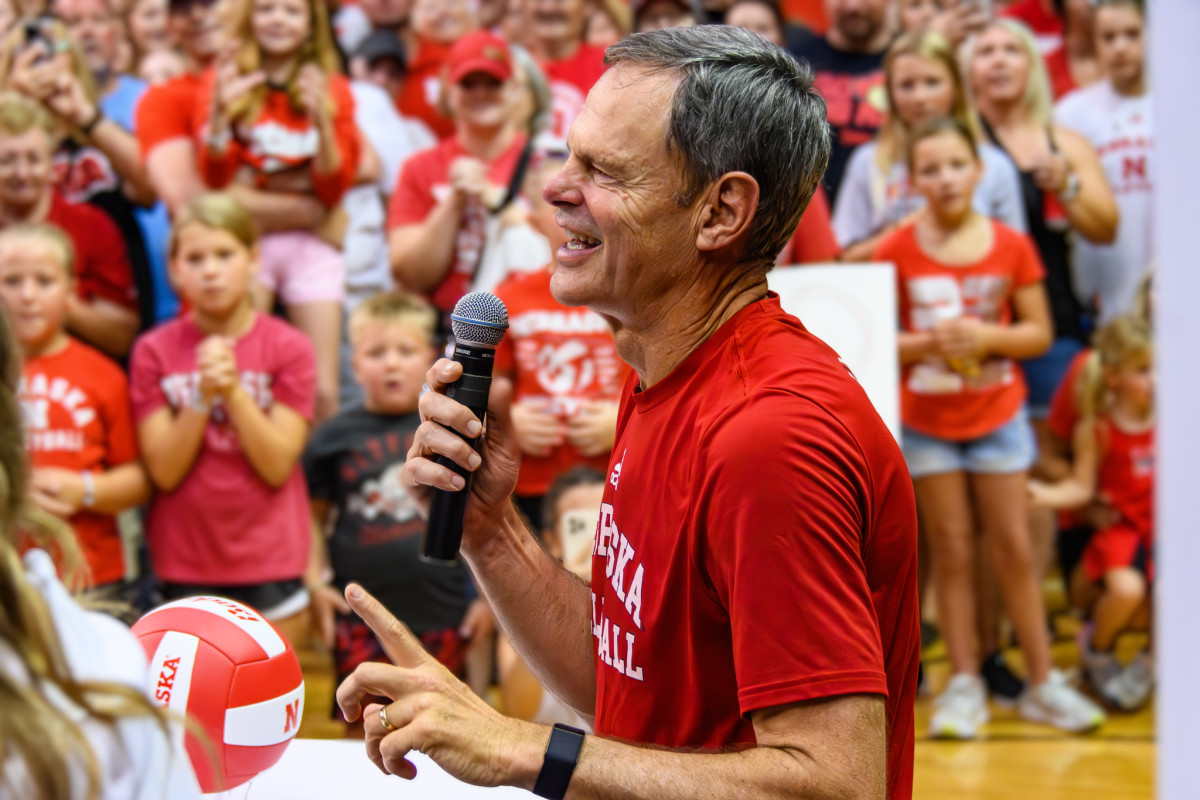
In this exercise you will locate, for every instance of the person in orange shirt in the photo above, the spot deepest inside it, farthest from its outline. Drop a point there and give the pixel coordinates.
(280, 114)
(78, 425)
(972, 300)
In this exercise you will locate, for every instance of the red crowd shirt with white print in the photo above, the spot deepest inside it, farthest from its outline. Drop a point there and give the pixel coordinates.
(282, 138)
(570, 81)
(756, 547)
(1126, 476)
(562, 355)
(977, 398)
(75, 405)
(223, 524)
(424, 182)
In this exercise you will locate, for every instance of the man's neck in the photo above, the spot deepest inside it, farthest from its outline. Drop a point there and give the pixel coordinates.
(1135, 87)
(876, 44)
(658, 343)
(37, 212)
(555, 49)
(234, 325)
(487, 144)
(106, 81)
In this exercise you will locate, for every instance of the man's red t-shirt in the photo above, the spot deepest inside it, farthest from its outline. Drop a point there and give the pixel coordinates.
(76, 409)
(756, 547)
(1039, 17)
(424, 182)
(936, 399)
(562, 355)
(168, 111)
(570, 81)
(101, 260)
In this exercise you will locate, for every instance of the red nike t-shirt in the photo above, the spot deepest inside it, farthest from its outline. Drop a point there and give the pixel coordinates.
(756, 547)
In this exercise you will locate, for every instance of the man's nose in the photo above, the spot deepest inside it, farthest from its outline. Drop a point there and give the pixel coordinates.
(563, 188)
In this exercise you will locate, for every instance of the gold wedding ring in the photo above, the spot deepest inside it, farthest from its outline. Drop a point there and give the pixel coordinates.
(383, 720)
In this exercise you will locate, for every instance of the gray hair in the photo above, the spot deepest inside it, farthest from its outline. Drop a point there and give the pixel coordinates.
(743, 104)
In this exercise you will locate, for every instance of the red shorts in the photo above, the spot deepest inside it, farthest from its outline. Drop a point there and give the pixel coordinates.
(1122, 545)
(355, 643)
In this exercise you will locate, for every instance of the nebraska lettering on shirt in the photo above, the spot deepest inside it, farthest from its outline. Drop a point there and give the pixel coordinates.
(182, 389)
(568, 320)
(38, 396)
(625, 576)
(279, 146)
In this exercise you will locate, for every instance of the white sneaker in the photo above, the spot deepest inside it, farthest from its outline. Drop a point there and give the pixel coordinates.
(1060, 705)
(1136, 682)
(960, 709)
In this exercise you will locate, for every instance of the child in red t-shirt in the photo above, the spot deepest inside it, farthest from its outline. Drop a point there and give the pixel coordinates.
(1113, 446)
(76, 405)
(223, 398)
(281, 114)
(971, 303)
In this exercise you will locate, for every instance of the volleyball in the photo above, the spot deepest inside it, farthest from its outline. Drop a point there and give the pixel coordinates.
(225, 667)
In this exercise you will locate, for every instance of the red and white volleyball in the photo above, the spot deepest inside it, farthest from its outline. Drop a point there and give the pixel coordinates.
(231, 672)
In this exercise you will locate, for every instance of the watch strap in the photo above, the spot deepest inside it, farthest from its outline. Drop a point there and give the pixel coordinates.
(562, 754)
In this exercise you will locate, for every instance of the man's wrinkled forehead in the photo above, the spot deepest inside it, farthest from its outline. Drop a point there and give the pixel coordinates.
(628, 99)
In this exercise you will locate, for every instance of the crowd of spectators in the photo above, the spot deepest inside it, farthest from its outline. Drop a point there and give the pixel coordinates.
(232, 231)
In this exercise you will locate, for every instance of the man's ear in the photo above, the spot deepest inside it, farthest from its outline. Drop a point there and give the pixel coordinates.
(729, 208)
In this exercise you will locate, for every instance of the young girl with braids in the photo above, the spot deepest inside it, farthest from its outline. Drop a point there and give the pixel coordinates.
(1114, 459)
(75, 720)
(281, 116)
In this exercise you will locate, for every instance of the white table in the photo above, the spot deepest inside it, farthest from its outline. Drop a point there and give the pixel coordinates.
(324, 769)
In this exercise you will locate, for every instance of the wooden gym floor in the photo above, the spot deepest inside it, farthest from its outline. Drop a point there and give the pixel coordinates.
(1011, 761)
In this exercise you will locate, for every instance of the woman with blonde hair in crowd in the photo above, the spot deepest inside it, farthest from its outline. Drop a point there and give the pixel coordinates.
(75, 720)
(923, 82)
(1064, 188)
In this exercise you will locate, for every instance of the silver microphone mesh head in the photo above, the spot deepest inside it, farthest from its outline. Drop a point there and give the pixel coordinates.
(479, 318)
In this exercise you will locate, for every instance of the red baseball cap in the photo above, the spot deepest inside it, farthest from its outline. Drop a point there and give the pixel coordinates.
(479, 51)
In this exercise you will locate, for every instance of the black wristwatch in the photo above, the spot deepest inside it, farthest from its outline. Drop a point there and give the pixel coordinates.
(562, 754)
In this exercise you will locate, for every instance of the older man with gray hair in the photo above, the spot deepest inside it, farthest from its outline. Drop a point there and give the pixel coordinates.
(751, 625)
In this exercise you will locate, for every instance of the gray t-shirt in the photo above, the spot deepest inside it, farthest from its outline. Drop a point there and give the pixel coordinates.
(869, 200)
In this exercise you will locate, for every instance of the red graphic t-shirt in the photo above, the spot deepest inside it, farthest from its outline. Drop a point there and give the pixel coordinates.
(76, 408)
(570, 81)
(563, 355)
(756, 547)
(424, 182)
(1126, 476)
(282, 138)
(935, 399)
(223, 524)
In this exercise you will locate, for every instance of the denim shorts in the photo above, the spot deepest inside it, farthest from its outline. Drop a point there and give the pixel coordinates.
(1010, 448)
(1044, 373)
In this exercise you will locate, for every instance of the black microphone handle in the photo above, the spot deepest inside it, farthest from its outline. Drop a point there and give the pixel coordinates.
(443, 530)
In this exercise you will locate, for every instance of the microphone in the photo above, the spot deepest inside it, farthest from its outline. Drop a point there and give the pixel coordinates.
(479, 321)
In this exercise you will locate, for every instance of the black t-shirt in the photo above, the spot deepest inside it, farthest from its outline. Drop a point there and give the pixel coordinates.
(354, 462)
(855, 97)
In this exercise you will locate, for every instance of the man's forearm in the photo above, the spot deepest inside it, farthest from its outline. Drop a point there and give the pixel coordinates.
(544, 609)
(612, 770)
